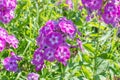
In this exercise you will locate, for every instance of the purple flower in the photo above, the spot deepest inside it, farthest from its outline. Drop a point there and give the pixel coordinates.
(9, 40)
(10, 64)
(49, 54)
(80, 7)
(54, 39)
(12, 41)
(2, 44)
(52, 42)
(47, 28)
(7, 8)
(67, 26)
(110, 8)
(33, 76)
(108, 18)
(62, 54)
(7, 16)
(37, 57)
(92, 4)
(95, 4)
(11, 4)
(7, 4)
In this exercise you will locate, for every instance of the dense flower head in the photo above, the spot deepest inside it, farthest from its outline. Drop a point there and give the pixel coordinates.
(10, 63)
(33, 76)
(52, 42)
(7, 8)
(7, 40)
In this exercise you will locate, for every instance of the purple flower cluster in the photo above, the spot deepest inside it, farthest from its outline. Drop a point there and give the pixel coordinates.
(10, 63)
(7, 40)
(52, 42)
(33, 76)
(7, 8)
(109, 10)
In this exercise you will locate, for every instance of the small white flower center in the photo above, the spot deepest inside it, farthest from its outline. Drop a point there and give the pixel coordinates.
(53, 39)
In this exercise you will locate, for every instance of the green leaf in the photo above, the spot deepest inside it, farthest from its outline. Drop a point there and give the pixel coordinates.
(87, 72)
(89, 47)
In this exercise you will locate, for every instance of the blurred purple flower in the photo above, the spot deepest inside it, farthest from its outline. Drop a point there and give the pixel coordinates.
(10, 63)
(7, 16)
(110, 8)
(12, 41)
(9, 40)
(108, 18)
(92, 4)
(95, 4)
(7, 8)
(33, 76)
